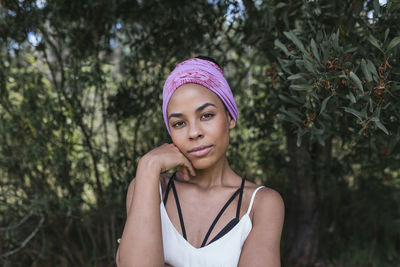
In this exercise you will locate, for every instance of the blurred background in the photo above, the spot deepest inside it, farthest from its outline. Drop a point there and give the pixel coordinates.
(317, 83)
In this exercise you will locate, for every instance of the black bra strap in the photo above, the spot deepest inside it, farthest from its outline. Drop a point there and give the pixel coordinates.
(240, 200)
(230, 225)
(178, 206)
(167, 190)
(222, 211)
(179, 209)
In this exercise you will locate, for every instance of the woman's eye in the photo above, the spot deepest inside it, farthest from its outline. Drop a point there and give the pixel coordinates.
(207, 115)
(177, 124)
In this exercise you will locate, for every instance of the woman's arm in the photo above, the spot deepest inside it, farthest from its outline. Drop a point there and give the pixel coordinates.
(262, 246)
(141, 241)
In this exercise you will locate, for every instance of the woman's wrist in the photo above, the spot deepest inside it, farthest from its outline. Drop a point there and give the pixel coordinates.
(149, 163)
(148, 168)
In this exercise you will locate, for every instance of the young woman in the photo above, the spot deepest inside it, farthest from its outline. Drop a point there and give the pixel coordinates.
(213, 217)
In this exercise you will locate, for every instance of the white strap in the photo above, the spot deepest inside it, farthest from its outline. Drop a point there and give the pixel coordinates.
(252, 198)
(159, 185)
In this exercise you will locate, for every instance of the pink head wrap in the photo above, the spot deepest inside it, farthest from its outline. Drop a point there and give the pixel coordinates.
(203, 72)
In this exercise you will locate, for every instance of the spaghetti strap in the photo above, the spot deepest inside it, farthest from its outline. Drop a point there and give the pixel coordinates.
(159, 187)
(236, 220)
(226, 229)
(252, 198)
(178, 206)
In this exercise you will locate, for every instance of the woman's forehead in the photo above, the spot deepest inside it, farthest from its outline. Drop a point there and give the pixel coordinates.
(190, 96)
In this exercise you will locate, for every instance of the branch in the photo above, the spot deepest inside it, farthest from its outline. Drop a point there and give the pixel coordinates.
(9, 228)
(26, 241)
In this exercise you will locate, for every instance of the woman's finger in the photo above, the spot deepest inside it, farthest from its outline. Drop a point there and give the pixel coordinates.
(182, 170)
(189, 167)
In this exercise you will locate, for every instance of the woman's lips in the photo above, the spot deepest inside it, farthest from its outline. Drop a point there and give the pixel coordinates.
(201, 152)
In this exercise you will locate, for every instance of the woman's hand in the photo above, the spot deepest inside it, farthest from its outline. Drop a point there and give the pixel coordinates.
(168, 156)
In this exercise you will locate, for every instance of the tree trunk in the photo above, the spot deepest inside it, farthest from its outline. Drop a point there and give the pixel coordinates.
(302, 220)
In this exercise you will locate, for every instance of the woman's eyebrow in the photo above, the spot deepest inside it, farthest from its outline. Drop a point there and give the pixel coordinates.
(204, 106)
(178, 115)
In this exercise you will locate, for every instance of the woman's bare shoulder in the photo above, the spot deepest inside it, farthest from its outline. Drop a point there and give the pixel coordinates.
(265, 200)
(268, 203)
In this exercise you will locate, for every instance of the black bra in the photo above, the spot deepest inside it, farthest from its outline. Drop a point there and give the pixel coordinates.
(225, 230)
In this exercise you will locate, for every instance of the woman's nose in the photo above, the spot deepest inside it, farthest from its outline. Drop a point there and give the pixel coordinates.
(195, 131)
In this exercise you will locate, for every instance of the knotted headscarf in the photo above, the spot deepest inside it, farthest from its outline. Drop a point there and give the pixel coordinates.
(205, 73)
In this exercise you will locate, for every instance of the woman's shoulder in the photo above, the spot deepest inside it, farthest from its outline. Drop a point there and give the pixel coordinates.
(266, 200)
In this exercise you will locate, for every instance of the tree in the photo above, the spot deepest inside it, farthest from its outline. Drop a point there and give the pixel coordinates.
(317, 86)
(334, 85)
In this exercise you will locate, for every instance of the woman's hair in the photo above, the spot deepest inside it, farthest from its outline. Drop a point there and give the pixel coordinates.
(209, 59)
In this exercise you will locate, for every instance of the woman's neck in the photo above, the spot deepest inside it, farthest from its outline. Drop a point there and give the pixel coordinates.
(219, 174)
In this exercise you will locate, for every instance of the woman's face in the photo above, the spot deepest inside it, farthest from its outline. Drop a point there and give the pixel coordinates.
(199, 124)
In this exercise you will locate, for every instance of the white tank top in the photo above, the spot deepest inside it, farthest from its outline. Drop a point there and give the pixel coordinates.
(224, 252)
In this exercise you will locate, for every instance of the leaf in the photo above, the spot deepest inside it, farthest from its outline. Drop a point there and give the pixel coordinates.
(356, 80)
(287, 99)
(354, 112)
(298, 141)
(371, 105)
(301, 87)
(351, 97)
(296, 76)
(365, 70)
(374, 119)
(284, 64)
(315, 50)
(309, 66)
(291, 36)
(282, 47)
(386, 34)
(291, 114)
(381, 126)
(323, 105)
(280, 5)
(377, 9)
(374, 42)
(314, 94)
(364, 112)
(299, 136)
(395, 41)
(372, 68)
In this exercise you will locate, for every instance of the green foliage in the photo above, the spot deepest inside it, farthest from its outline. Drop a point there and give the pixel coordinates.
(324, 87)
(80, 94)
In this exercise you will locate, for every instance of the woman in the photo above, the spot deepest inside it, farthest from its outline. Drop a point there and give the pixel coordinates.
(213, 216)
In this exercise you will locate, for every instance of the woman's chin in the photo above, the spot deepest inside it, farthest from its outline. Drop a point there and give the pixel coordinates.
(203, 164)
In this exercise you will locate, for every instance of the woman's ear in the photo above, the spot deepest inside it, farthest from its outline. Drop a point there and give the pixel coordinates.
(231, 122)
